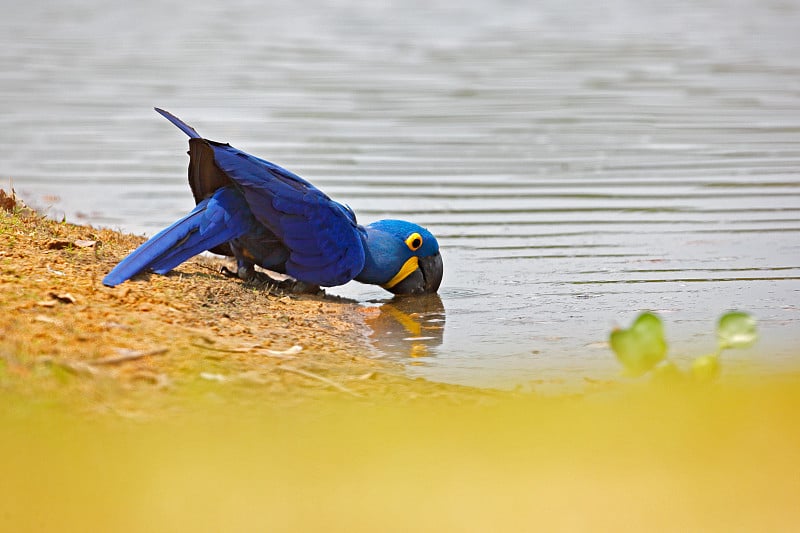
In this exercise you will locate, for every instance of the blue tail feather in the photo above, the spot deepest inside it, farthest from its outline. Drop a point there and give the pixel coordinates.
(214, 221)
(184, 127)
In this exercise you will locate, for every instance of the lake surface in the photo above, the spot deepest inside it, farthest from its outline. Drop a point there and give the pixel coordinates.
(578, 163)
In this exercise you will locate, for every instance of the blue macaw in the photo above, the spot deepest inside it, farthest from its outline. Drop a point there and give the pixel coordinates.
(264, 215)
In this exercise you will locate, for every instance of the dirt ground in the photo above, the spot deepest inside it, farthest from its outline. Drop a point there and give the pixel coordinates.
(67, 338)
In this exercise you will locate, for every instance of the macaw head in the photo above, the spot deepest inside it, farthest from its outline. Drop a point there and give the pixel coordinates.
(401, 257)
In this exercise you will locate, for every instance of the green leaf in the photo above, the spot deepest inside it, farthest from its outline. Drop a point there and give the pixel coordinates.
(736, 330)
(705, 368)
(641, 347)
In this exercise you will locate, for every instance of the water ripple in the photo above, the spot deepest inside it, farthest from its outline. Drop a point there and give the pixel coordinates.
(577, 165)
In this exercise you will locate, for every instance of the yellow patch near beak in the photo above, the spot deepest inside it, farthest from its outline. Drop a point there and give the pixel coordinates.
(408, 267)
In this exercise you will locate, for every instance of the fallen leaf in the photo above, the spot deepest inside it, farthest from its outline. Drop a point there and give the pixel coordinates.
(81, 243)
(64, 297)
(47, 319)
(7, 201)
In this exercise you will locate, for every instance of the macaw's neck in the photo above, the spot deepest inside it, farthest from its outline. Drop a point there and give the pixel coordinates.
(383, 256)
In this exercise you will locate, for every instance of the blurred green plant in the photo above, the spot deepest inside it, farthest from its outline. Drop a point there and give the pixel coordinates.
(736, 330)
(642, 348)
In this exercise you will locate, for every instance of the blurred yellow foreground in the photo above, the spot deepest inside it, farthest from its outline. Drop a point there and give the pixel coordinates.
(717, 458)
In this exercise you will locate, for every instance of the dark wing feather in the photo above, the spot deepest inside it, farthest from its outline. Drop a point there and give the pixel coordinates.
(205, 178)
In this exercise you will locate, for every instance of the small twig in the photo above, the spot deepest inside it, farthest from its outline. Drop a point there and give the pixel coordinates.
(128, 357)
(213, 268)
(286, 354)
(323, 379)
(290, 351)
(74, 367)
(56, 272)
(158, 379)
(199, 331)
(226, 350)
(270, 353)
(280, 354)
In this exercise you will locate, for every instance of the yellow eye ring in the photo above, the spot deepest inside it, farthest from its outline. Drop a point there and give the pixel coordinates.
(414, 241)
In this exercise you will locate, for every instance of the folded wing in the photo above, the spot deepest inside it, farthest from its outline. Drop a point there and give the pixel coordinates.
(323, 238)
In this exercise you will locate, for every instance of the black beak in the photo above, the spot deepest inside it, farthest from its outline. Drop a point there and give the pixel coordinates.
(425, 279)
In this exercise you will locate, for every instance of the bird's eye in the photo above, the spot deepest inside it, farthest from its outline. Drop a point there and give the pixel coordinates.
(414, 241)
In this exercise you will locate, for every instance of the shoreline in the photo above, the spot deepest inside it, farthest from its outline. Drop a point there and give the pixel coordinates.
(66, 335)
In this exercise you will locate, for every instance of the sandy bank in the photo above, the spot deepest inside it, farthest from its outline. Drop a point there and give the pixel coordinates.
(66, 334)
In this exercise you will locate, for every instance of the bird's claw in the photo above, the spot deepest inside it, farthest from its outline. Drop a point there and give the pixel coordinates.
(228, 273)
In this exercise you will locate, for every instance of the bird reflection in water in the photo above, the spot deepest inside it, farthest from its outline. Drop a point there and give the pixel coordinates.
(408, 326)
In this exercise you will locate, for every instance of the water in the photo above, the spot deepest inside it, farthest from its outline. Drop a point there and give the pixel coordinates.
(579, 163)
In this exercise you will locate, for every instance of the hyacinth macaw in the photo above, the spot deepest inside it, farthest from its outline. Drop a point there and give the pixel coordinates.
(264, 215)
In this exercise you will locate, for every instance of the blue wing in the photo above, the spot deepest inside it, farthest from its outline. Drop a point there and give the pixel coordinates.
(324, 241)
(216, 220)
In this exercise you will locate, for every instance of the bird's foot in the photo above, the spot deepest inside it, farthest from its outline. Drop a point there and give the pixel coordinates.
(289, 285)
(301, 287)
(246, 273)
